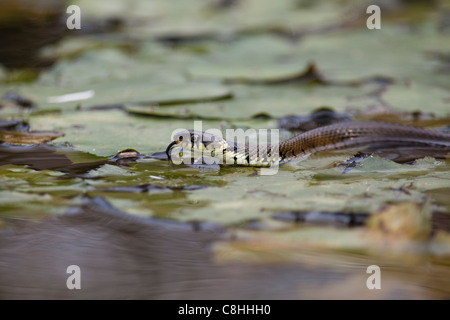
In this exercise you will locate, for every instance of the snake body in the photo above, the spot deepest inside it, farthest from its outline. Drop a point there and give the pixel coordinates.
(331, 137)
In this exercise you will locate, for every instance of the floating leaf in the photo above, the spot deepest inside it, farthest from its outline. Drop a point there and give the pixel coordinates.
(119, 92)
(17, 132)
(419, 98)
(356, 54)
(196, 19)
(404, 220)
(258, 101)
(105, 133)
(31, 137)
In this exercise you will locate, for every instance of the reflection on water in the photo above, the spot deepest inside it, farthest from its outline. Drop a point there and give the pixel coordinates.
(45, 157)
(124, 256)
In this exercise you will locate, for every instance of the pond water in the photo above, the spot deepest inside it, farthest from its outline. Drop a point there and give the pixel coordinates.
(89, 199)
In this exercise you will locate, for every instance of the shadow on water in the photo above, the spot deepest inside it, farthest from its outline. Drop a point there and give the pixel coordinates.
(124, 256)
(45, 157)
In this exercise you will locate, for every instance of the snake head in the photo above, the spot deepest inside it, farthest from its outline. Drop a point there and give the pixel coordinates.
(196, 141)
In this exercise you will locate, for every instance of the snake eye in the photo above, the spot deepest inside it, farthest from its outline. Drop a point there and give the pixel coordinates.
(180, 138)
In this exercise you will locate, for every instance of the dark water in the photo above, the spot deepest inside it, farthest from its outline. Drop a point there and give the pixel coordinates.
(25, 27)
(123, 256)
(127, 257)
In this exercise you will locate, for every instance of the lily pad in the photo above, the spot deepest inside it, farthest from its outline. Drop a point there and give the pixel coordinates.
(245, 59)
(247, 196)
(421, 98)
(188, 19)
(107, 64)
(258, 101)
(117, 93)
(105, 134)
(18, 132)
(388, 52)
(72, 47)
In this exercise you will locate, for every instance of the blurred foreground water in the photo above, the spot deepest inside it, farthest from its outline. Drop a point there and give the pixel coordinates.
(243, 63)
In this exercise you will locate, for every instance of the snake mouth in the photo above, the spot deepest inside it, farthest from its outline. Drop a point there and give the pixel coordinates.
(168, 149)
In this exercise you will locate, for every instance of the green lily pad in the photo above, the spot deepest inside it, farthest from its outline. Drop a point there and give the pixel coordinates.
(416, 97)
(268, 101)
(196, 18)
(116, 93)
(247, 196)
(72, 47)
(27, 194)
(389, 52)
(110, 170)
(107, 64)
(246, 59)
(105, 134)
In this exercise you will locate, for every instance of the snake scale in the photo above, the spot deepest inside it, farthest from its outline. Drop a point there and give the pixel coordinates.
(332, 137)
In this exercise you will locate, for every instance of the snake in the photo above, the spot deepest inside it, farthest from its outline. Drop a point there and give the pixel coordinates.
(327, 138)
